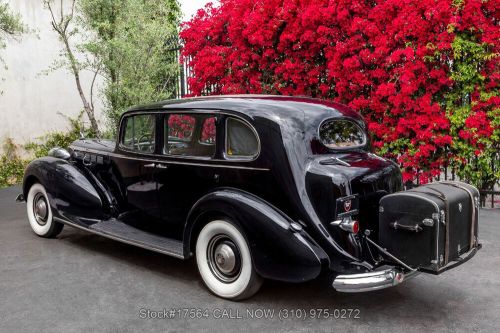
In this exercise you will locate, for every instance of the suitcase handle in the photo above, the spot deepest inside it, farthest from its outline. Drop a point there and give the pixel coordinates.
(415, 228)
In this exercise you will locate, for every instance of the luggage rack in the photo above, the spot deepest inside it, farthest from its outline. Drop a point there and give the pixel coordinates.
(454, 263)
(375, 280)
(457, 262)
(384, 251)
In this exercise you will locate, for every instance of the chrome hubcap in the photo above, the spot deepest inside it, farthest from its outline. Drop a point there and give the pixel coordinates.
(224, 258)
(40, 209)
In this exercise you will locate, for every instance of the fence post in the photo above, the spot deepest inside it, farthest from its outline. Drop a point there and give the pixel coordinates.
(182, 77)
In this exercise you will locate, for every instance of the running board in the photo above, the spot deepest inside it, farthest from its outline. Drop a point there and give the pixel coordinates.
(119, 231)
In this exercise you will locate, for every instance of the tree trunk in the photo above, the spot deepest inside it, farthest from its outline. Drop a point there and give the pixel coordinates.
(61, 27)
(89, 110)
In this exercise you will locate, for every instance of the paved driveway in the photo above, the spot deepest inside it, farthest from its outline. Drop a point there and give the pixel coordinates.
(83, 283)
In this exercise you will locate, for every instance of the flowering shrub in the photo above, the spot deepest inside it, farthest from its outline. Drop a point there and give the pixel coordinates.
(425, 74)
(11, 164)
(181, 126)
(208, 131)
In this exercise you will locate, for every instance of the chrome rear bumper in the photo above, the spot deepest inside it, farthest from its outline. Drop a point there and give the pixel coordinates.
(355, 283)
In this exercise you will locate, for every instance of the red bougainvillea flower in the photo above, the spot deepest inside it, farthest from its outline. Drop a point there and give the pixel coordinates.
(388, 59)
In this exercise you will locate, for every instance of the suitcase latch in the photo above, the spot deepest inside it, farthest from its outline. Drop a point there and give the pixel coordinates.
(428, 222)
(441, 260)
(442, 216)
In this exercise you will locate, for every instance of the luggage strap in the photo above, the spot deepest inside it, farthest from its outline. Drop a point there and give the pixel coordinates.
(473, 210)
(442, 196)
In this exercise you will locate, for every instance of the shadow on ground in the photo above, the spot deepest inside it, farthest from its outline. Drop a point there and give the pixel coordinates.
(81, 281)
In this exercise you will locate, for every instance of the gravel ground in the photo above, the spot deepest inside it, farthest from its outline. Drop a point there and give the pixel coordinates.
(84, 283)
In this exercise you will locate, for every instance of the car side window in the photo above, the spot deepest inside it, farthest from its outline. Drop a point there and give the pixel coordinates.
(208, 131)
(241, 140)
(190, 135)
(180, 127)
(139, 133)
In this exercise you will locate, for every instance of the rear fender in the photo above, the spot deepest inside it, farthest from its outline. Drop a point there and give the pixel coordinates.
(70, 191)
(278, 251)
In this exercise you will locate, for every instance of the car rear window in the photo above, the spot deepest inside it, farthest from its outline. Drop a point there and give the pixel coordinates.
(341, 133)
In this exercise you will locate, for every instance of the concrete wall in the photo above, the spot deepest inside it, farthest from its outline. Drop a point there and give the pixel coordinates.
(190, 7)
(31, 102)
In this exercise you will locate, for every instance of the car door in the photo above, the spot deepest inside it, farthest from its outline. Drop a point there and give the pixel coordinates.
(136, 162)
(185, 172)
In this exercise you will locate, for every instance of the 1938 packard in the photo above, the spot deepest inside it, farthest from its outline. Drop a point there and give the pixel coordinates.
(255, 187)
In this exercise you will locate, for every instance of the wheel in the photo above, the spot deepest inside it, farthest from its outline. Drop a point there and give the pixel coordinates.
(40, 214)
(224, 261)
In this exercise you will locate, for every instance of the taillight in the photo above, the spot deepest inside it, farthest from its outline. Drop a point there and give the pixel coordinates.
(347, 224)
(355, 227)
(398, 278)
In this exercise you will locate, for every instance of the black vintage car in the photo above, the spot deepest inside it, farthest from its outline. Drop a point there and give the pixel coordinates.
(255, 187)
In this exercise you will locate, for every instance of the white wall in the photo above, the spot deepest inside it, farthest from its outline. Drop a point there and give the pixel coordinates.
(190, 7)
(30, 102)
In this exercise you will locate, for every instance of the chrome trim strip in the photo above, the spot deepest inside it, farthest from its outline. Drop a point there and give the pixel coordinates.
(355, 283)
(119, 239)
(174, 109)
(158, 160)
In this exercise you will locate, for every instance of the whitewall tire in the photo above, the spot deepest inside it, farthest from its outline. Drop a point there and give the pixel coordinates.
(40, 213)
(224, 261)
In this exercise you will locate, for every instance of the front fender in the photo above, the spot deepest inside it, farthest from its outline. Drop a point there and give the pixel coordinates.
(278, 251)
(70, 192)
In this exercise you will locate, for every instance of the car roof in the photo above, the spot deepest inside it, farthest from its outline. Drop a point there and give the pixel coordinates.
(267, 106)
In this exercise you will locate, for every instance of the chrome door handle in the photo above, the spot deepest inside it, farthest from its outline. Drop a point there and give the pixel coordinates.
(150, 165)
(162, 166)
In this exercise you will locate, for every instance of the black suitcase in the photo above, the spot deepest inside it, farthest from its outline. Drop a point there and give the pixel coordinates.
(430, 226)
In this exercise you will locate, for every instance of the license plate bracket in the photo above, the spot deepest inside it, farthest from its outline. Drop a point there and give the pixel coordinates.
(347, 206)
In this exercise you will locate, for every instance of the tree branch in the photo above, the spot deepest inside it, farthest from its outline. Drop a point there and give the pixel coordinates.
(92, 86)
(62, 29)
